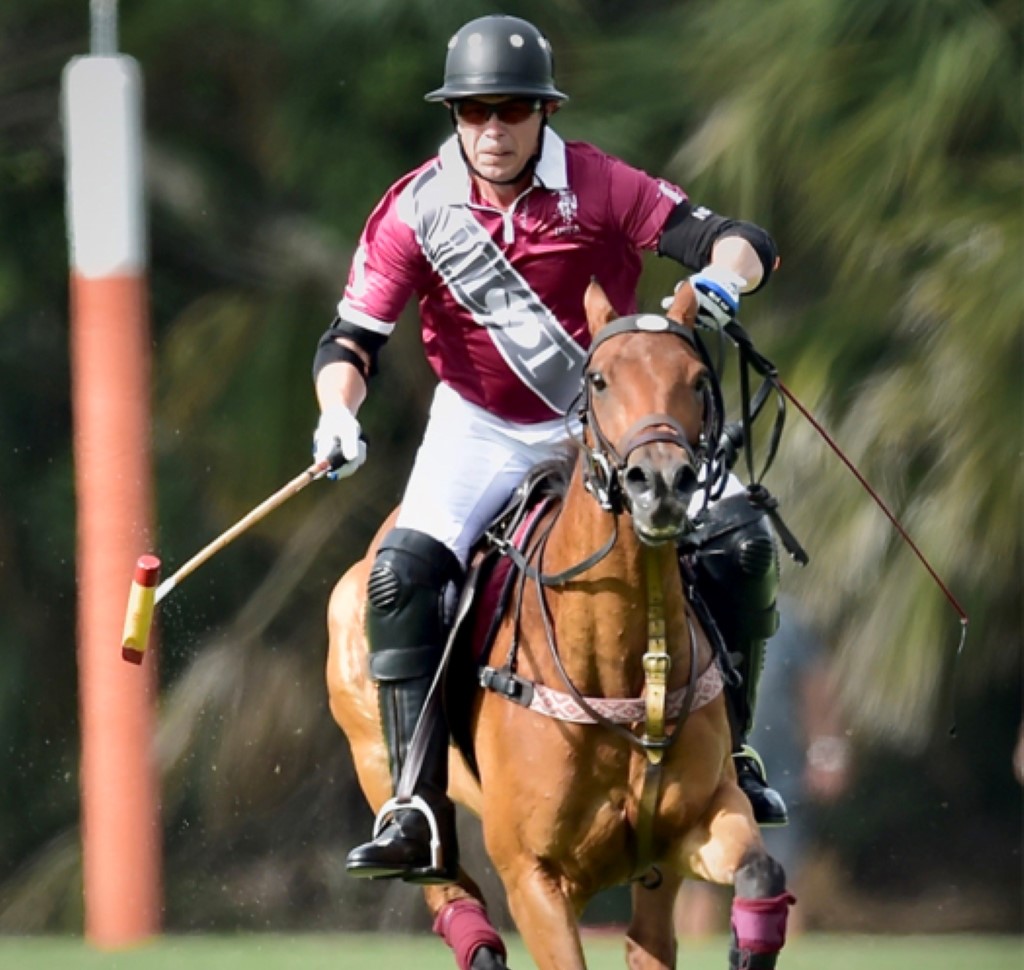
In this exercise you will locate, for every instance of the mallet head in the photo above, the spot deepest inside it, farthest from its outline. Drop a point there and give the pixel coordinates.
(139, 615)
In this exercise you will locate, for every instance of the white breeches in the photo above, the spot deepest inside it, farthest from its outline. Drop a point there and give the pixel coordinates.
(469, 464)
(467, 467)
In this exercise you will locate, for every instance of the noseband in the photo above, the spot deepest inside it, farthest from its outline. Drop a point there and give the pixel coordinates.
(606, 464)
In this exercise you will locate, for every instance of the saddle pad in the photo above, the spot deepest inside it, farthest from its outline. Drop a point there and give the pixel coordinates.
(492, 596)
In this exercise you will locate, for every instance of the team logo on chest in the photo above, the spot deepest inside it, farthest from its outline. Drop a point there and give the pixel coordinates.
(568, 206)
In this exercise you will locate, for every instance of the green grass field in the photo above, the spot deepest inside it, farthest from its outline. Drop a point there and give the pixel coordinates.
(372, 952)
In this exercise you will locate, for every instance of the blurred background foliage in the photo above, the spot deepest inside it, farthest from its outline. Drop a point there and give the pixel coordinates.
(880, 142)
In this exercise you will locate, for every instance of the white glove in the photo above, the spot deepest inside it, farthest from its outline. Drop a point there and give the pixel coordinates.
(718, 295)
(339, 437)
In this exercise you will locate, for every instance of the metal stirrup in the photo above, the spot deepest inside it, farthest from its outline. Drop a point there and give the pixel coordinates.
(418, 804)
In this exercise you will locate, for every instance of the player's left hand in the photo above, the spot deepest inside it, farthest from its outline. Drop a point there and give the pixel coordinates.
(718, 295)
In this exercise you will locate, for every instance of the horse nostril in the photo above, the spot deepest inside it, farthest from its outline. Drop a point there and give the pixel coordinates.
(638, 481)
(684, 481)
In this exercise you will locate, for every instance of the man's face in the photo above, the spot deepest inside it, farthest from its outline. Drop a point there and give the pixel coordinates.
(499, 133)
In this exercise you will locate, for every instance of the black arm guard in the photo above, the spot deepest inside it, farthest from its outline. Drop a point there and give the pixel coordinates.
(329, 351)
(690, 234)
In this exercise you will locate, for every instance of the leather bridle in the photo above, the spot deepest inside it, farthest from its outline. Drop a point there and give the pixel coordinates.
(604, 463)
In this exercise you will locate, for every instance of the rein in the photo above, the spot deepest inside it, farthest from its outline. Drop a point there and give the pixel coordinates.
(751, 359)
(950, 598)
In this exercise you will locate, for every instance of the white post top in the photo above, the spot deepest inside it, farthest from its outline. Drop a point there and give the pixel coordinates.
(102, 114)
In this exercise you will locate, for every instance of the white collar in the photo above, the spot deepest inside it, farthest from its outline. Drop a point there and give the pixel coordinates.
(551, 171)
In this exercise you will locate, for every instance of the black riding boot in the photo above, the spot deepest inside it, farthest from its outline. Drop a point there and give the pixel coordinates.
(737, 572)
(415, 838)
(414, 834)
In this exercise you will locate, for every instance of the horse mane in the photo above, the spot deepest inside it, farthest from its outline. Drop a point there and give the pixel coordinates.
(547, 481)
(552, 476)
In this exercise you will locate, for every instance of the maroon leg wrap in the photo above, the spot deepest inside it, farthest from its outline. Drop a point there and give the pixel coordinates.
(760, 924)
(464, 926)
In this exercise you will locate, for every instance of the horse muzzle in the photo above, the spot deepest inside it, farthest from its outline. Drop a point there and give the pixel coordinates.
(658, 483)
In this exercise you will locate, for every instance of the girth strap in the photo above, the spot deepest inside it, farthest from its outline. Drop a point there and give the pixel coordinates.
(561, 706)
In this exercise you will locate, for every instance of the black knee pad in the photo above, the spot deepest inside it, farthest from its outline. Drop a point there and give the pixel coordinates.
(405, 604)
(736, 564)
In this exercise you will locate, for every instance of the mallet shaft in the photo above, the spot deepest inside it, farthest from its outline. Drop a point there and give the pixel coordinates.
(296, 485)
(145, 594)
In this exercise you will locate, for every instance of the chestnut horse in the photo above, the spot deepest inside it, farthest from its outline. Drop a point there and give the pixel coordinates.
(648, 793)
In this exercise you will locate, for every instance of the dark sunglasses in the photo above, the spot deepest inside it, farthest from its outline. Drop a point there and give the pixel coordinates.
(512, 112)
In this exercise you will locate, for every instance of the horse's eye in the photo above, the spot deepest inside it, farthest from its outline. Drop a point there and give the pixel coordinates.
(597, 381)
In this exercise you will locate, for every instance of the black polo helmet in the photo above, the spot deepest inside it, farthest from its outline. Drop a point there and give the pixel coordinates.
(498, 55)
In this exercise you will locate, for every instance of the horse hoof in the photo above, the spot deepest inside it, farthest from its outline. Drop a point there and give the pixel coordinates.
(486, 959)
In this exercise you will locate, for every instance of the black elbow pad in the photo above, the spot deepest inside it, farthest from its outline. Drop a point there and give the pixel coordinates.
(329, 351)
(690, 234)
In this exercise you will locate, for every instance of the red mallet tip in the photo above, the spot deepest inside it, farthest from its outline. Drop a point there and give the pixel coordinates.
(147, 570)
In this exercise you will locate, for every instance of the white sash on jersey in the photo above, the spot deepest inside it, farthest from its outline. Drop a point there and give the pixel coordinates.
(529, 337)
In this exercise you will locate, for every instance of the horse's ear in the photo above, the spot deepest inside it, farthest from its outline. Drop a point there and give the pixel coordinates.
(599, 308)
(684, 306)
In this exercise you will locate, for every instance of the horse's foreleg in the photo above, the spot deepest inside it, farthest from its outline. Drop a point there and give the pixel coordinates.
(734, 854)
(760, 910)
(460, 919)
(544, 916)
(651, 939)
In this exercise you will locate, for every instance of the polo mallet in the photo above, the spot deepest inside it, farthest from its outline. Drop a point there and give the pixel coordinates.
(145, 594)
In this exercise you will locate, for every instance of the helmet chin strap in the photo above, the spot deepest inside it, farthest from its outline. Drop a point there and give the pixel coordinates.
(531, 162)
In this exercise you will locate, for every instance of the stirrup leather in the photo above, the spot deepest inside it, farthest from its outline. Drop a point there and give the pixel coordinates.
(417, 803)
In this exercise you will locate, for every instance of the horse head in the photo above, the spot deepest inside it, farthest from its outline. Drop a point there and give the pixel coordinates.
(651, 413)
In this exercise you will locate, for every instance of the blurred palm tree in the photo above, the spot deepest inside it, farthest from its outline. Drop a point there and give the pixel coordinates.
(882, 142)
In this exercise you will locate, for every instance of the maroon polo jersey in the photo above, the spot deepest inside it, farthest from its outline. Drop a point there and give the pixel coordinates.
(501, 292)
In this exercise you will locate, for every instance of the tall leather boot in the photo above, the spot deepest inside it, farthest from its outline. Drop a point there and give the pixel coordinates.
(414, 834)
(769, 806)
(736, 569)
(413, 839)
